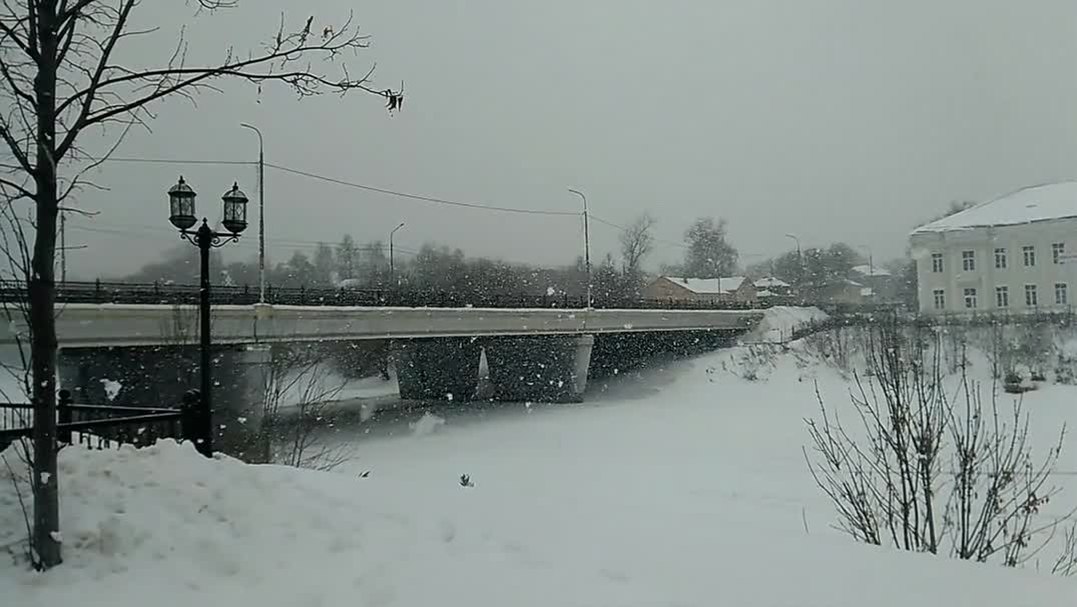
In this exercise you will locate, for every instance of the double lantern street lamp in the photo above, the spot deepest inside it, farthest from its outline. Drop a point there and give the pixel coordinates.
(182, 215)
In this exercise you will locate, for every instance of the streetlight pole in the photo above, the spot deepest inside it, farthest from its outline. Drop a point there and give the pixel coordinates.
(586, 246)
(182, 209)
(261, 214)
(392, 263)
(871, 270)
(800, 263)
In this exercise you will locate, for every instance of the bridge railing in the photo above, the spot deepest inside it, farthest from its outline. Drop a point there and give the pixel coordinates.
(176, 294)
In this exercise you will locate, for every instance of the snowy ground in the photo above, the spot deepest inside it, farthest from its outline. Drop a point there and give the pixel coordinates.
(678, 486)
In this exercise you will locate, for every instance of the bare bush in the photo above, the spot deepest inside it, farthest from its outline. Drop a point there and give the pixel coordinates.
(754, 362)
(836, 346)
(297, 429)
(886, 477)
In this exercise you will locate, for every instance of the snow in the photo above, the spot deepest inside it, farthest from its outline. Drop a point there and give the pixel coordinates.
(770, 282)
(112, 388)
(1030, 204)
(779, 323)
(867, 270)
(709, 286)
(682, 486)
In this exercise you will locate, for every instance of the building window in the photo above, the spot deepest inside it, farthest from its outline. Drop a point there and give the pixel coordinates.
(1031, 298)
(936, 262)
(1029, 253)
(1061, 294)
(940, 299)
(968, 261)
(1002, 297)
(1000, 259)
(970, 298)
(1058, 249)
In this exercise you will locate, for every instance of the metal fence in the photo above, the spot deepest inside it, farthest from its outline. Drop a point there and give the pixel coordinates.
(103, 426)
(173, 294)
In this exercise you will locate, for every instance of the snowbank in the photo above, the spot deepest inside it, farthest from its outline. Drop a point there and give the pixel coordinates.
(779, 323)
(690, 493)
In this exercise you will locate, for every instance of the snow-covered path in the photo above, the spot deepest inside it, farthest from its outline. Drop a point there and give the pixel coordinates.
(692, 491)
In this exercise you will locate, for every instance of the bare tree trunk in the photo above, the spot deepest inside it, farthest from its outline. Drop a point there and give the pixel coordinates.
(43, 343)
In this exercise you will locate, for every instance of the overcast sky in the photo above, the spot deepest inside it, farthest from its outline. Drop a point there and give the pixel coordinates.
(846, 120)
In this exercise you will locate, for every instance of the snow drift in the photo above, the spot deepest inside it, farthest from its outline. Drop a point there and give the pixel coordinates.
(691, 493)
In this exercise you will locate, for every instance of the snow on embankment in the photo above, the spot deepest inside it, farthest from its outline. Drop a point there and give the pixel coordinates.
(779, 323)
(164, 526)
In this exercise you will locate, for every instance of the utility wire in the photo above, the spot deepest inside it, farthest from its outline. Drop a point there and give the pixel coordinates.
(615, 226)
(137, 232)
(176, 161)
(350, 184)
(430, 199)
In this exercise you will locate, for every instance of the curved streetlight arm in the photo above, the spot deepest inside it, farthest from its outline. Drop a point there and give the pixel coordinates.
(586, 246)
(392, 262)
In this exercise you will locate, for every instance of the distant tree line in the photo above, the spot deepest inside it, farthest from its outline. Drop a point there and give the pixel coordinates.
(814, 273)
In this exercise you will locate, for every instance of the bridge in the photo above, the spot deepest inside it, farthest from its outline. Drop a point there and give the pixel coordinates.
(144, 338)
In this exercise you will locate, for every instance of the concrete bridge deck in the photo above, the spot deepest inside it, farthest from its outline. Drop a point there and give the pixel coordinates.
(83, 325)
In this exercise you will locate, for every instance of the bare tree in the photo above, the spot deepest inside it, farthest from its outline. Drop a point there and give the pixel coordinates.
(636, 243)
(300, 391)
(886, 478)
(61, 78)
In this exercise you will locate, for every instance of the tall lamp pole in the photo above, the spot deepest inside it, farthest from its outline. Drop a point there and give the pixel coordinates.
(586, 247)
(800, 262)
(871, 270)
(392, 263)
(261, 213)
(182, 215)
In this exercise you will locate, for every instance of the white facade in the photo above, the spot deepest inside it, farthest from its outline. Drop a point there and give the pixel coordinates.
(1005, 255)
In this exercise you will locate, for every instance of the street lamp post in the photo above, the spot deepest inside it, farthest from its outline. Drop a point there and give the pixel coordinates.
(182, 215)
(261, 214)
(586, 246)
(800, 262)
(871, 270)
(392, 263)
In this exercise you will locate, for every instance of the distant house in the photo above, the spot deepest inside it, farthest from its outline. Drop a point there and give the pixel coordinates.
(879, 283)
(733, 288)
(846, 291)
(771, 287)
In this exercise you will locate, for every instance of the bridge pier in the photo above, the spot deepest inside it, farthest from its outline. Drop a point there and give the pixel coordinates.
(441, 368)
(543, 368)
(158, 376)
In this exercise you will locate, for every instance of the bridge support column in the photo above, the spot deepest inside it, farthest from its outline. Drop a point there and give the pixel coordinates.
(547, 368)
(440, 368)
(159, 376)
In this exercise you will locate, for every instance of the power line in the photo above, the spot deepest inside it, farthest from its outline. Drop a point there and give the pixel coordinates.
(137, 232)
(615, 226)
(350, 184)
(176, 161)
(430, 199)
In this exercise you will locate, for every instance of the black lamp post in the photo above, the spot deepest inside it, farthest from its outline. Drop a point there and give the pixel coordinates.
(181, 206)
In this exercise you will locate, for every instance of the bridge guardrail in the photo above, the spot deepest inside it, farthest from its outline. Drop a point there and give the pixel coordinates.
(174, 294)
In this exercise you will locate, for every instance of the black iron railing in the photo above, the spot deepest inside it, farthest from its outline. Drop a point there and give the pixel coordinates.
(173, 294)
(103, 426)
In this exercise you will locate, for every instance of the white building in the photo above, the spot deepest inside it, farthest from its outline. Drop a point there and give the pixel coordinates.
(1008, 254)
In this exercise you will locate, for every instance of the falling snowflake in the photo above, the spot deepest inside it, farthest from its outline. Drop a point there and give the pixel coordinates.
(112, 389)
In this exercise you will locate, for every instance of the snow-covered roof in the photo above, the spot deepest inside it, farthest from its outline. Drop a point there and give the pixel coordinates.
(867, 270)
(770, 282)
(709, 286)
(1034, 203)
(765, 293)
